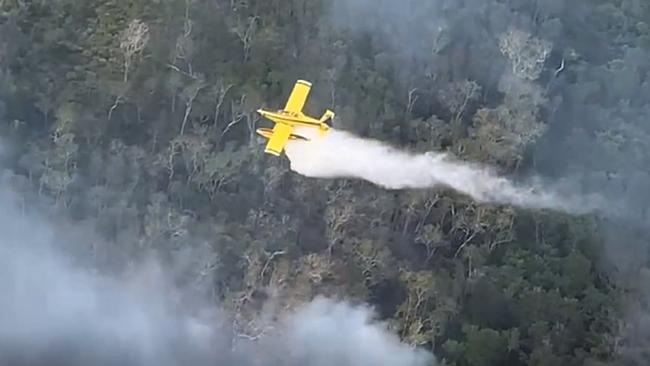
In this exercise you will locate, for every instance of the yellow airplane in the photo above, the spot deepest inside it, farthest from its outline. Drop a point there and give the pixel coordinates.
(292, 116)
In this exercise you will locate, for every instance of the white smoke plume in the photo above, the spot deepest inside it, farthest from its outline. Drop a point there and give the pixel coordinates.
(56, 310)
(336, 333)
(339, 154)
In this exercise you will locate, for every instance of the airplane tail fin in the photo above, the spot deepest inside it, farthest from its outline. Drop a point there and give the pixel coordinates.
(327, 118)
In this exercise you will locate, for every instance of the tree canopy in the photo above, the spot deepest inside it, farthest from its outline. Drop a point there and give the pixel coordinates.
(137, 118)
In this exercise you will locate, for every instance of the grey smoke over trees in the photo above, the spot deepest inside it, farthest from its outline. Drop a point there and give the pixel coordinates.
(57, 310)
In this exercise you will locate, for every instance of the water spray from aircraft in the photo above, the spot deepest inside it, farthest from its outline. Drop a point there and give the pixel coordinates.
(339, 154)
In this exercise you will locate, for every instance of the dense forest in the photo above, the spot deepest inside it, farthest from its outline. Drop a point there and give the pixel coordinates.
(136, 119)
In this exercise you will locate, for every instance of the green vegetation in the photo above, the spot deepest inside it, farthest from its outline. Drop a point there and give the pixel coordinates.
(137, 118)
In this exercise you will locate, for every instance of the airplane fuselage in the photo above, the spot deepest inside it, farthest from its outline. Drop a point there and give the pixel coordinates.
(293, 119)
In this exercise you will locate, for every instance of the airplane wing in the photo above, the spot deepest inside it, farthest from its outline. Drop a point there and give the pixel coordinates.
(298, 96)
(278, 139)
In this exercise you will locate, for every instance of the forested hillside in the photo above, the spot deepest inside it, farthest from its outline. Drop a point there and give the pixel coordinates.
(137, 118)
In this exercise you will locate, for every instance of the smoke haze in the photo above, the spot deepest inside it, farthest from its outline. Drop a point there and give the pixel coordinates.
(55, 311)
(597, 135)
